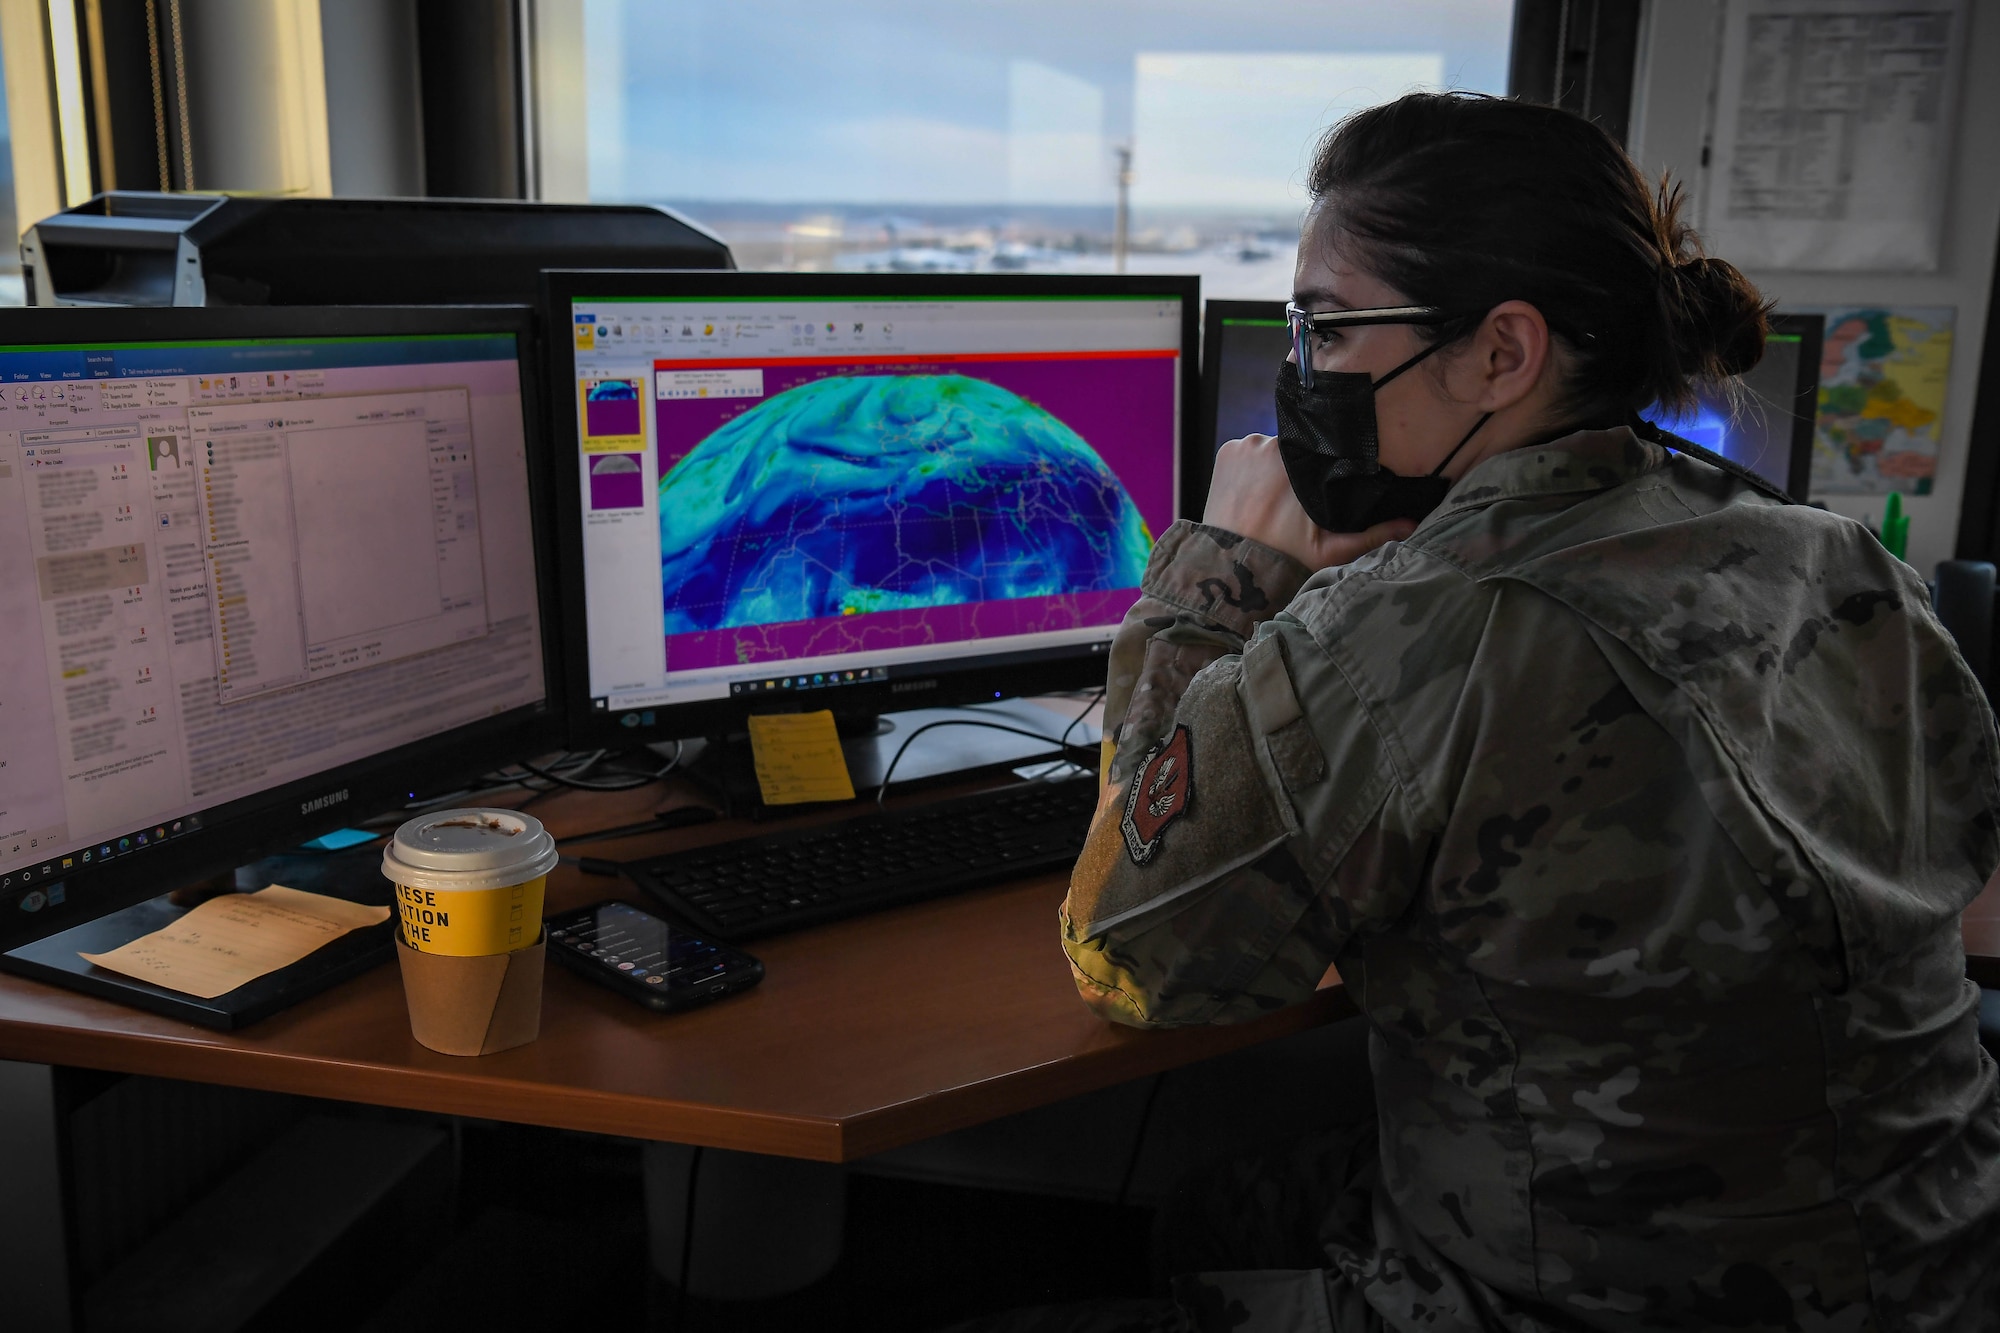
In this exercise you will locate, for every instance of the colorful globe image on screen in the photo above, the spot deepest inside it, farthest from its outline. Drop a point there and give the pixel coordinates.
(867, 493)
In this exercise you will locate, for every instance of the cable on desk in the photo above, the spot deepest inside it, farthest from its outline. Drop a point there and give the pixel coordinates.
(897, 758)
(488, 783)
(565, 773)
(632, 781)
(573, 784)
(568, 771)
(1095, 700)
(672, 765)
(570, 764)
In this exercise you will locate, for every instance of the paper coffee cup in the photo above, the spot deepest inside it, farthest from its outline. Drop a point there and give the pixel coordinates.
(473, 1006)
(469, 927)
(469, 882)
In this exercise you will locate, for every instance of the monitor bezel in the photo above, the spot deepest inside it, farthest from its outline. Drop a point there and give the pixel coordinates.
(1212, 319)
(938, 685)
(1811, 332)
(283, 816)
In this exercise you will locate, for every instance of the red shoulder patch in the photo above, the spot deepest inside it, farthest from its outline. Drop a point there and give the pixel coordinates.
(1162, 791)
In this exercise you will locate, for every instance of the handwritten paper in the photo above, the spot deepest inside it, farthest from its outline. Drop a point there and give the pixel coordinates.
(798, 758)
(236, 938)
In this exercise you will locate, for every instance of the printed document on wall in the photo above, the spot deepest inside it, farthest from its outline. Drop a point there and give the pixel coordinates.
(1833, 133)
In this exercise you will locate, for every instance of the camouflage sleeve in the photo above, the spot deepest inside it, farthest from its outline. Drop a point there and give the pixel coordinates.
(1205, 592)
(1229, 860)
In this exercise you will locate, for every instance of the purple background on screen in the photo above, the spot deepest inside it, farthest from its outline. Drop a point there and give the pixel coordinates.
(610, 416)
(618, 490)
(1124, 408)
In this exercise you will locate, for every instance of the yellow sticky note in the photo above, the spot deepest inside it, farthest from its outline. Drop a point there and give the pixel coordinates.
(798, 758)
(237, 938)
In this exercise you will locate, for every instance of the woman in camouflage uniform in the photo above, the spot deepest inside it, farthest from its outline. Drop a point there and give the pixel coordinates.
(1635, 807)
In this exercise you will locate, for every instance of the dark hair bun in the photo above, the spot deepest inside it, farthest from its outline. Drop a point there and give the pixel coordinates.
(1716, 319)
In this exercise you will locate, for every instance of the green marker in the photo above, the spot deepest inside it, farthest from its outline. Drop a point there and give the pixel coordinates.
(1894, 533)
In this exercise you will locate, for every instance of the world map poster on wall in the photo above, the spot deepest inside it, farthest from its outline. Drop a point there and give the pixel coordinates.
(1882, 379)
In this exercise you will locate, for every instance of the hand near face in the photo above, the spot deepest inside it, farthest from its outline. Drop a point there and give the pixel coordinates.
(1251, 496)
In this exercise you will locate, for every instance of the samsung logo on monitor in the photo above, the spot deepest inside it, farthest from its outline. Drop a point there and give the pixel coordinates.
(910, 686)
(322, 802)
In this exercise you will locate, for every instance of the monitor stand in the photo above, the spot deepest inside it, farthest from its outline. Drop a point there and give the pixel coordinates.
(355, 875)
(870, 743)
(860, 726)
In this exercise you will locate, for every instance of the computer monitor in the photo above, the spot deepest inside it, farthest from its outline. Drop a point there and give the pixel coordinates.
(261, 572)
(1768, 426)
(1242, 345)
(1765, 421)
(855, 492)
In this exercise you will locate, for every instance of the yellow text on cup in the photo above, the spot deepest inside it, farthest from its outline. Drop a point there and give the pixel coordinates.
(468, 923)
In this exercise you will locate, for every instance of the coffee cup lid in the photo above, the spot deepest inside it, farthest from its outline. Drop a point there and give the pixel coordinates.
(474, 848)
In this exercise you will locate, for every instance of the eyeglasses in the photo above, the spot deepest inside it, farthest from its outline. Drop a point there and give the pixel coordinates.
(1309, 324)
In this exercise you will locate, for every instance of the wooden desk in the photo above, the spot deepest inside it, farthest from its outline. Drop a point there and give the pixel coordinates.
(864, 1036)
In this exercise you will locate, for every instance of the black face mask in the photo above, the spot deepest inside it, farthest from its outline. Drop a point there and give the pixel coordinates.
(1326, 435)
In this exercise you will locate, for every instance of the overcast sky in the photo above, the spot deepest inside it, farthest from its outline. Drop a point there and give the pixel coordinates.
(983, 101)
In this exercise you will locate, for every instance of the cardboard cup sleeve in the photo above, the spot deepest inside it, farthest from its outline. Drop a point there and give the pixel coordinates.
(473, 1005)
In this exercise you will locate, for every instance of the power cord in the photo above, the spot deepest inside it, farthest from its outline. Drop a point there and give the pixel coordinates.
(570, 764)
(550, 776)
(566, 773)
(571, 782)
(887, 773)
(1077, 721)
(576, 765)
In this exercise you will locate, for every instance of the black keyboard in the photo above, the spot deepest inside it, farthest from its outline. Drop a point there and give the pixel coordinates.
(781, 881)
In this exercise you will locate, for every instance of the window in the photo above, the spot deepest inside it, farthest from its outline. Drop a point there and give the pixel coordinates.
(12, 291)
(909, 135)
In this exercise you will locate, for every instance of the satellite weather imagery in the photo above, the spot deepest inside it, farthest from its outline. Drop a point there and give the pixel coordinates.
(840, 499)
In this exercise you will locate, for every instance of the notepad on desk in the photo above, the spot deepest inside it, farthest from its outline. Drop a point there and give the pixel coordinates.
(232, 940)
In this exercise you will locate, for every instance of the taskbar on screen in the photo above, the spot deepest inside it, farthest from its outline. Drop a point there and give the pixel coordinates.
(643, 710)
(82, 858)
(816, 680)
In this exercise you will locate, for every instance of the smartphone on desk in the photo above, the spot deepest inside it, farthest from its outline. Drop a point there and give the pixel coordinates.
(646, 959)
